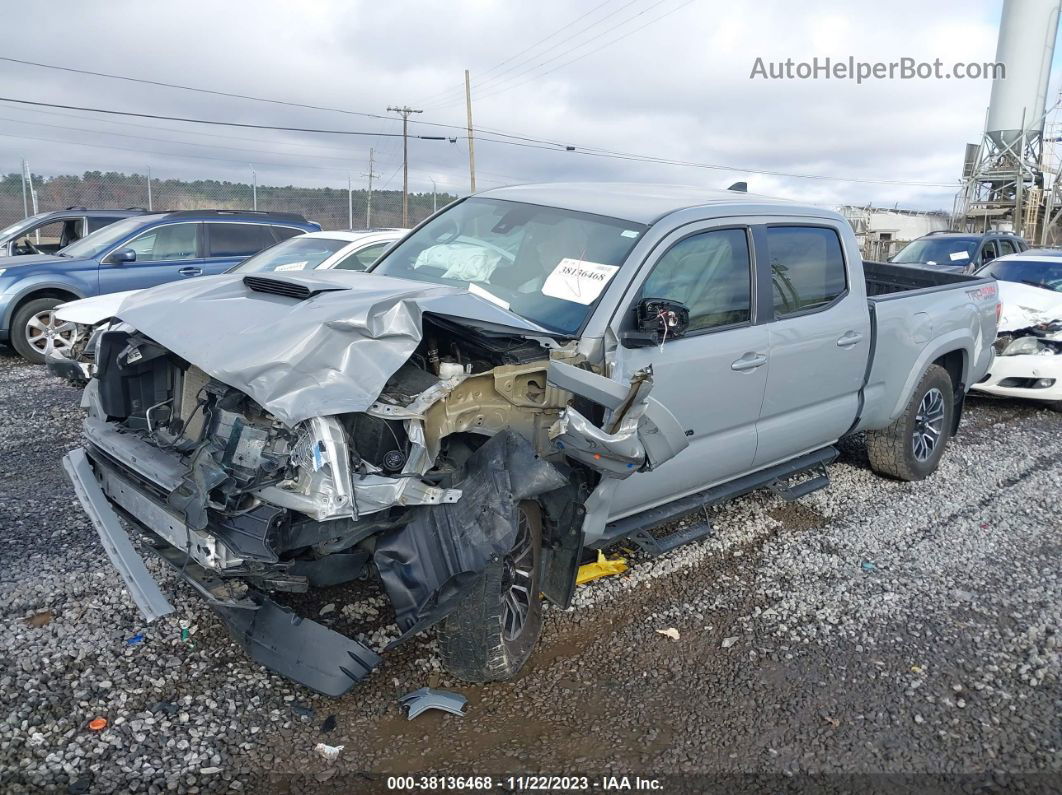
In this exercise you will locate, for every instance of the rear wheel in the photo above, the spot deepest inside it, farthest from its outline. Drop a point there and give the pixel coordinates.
(491, 634)
(911, 448)
(36, 332)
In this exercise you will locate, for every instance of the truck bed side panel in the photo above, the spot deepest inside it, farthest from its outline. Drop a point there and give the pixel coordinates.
(918, 326)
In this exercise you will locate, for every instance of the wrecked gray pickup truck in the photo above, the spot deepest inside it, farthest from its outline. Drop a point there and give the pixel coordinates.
(531, 372)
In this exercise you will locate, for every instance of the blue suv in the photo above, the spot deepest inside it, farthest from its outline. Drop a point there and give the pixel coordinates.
(130, 254)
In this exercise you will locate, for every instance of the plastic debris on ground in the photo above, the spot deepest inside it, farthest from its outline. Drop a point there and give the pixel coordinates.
(429, 698)
(329, 752)
(136, 640)
(868, 566)
(97, 724)
(602, 567)
(670, 632)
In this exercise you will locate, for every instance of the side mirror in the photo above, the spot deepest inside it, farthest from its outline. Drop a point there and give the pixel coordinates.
(121, 256)
(657, 320)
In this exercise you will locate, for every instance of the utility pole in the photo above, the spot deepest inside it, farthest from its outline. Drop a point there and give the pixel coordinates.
(149, 188)
(254, 186)
(25, 200)
(350, 203)
(471, 142)
(434, 190)
(405, 110)
(368, 204)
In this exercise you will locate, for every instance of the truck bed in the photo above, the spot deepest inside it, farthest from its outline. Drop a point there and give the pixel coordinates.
(884, 279)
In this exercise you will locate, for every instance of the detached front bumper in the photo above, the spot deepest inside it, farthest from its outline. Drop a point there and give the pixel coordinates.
(294, 647)
(1015, 377)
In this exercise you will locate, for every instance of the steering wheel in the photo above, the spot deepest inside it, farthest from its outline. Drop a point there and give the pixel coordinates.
(25, 246)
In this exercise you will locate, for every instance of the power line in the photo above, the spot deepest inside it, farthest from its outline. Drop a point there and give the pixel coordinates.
(549, 146)
(502, 88)
(499, 79)
(440, 95)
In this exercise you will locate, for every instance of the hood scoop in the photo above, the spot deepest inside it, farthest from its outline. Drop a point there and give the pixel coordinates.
(288, 289)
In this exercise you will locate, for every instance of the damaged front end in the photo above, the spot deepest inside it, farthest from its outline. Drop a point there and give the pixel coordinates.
(243, 498)
(1028, 361)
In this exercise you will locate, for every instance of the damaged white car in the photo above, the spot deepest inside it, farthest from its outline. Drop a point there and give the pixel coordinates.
(458, 421)
(1028, 363)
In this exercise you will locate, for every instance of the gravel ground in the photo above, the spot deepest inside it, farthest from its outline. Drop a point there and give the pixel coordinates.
(873, 629)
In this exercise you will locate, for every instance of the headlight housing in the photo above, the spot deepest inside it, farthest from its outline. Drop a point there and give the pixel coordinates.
(1028, 346)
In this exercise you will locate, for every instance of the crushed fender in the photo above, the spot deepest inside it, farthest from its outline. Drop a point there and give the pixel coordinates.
(428, 565)
(602, 567)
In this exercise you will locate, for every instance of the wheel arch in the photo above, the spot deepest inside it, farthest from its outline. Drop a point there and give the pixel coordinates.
(39, 290)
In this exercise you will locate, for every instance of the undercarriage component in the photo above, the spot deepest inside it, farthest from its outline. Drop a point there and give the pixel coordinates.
(428, 565)
(298, 648)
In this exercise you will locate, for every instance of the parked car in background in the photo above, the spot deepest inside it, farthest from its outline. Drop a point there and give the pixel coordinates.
(1028, 361)
(46, 233)
(958, 251)
(136, 252)
(354, 251)
(533, 371)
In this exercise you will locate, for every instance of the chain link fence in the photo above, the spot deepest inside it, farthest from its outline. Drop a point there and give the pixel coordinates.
(338, 207)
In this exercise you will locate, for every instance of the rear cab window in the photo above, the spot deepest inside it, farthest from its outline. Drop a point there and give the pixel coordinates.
(807, 268)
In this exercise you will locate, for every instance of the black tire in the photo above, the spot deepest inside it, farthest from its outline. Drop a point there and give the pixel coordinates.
(897, 451)
(19, 325)
(479, 641)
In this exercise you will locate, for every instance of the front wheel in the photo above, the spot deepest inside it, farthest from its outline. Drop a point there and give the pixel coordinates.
(36, 332)
(911, 447)
(492, 632)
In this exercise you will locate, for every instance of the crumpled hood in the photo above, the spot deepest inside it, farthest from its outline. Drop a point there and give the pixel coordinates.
(331, 353)
(1025, 306)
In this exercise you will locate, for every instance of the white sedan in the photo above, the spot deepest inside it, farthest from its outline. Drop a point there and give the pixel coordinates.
(354, 250)
(1028, 361)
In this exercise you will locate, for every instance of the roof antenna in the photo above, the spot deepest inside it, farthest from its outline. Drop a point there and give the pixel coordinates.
(739, 187)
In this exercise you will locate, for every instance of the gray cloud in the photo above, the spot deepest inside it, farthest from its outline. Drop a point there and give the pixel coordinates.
(679, 89)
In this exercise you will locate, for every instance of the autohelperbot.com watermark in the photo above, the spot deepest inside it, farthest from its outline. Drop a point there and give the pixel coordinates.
(849, 68)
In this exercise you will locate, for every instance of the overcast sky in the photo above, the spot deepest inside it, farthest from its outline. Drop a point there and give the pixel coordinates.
(667, 78)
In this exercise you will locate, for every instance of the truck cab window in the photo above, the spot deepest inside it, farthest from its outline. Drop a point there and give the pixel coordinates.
(807, 268)
(711, 274)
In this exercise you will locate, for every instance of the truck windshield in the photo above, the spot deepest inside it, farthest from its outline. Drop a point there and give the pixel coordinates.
(958, 251)
(1047, 275)
(294, 254)
(102, 239)
(545, 264)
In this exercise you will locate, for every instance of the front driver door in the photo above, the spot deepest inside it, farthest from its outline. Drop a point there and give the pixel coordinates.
(713, 378)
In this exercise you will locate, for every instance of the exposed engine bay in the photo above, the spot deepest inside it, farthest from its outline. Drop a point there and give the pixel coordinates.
(243, 503)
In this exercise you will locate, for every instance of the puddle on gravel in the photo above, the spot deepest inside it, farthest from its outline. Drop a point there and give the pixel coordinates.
(796, 516)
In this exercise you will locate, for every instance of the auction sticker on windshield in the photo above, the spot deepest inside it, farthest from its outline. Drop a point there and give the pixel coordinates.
(578, 280)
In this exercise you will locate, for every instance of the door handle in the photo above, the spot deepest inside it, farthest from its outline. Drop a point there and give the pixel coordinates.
(750, 361)
(849, 338)
(190, 271)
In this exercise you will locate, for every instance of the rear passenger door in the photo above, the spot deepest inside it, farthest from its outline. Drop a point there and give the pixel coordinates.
(164, 253)
(711, 379)
(819, 341)
(228, 243)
